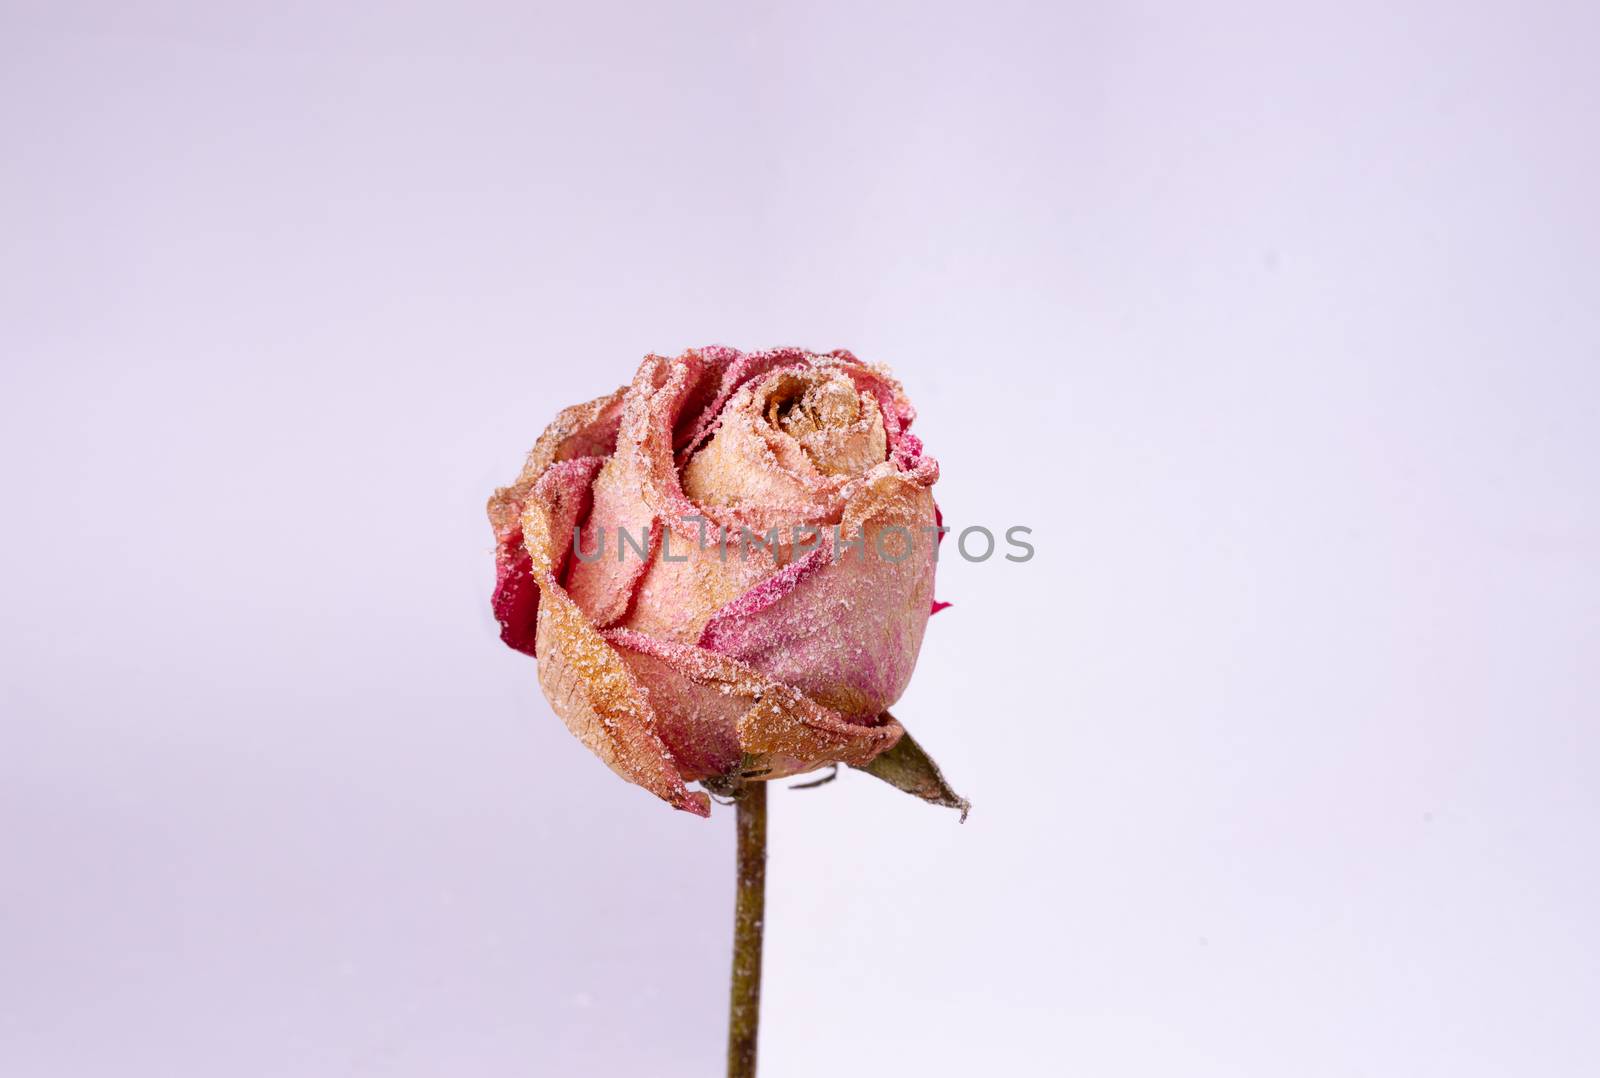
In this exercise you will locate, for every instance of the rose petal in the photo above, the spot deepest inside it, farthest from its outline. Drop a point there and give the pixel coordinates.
(606, 571)
(516, 596)
(845, 631)
(788, 449)
(584, 430)
(698, 724)
(589, 685)
(564, 486)
(784, 729)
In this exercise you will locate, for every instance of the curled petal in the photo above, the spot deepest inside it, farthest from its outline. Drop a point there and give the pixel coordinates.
(584, 431)
(733, 369)
(604, 585)
(516, 595)
(565, 491)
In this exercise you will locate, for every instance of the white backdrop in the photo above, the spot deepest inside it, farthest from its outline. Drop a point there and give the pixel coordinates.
(1277, 323)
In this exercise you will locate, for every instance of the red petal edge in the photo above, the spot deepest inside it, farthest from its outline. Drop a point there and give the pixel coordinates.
(516, 595)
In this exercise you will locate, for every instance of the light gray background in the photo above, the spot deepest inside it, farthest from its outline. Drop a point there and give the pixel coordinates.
(1278, 323)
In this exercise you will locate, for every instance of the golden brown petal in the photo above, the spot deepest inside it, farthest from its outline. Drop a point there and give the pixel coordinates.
(589, 685)
(781, 727)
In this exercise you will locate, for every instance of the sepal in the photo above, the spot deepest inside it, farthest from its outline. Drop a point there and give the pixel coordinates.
(906, 766)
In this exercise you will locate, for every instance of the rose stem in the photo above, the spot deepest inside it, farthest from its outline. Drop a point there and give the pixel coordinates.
(744, 1002)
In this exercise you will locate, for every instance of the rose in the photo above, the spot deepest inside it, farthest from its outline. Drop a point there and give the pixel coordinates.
(789, 545)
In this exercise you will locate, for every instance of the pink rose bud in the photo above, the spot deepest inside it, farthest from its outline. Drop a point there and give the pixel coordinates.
(725, 570)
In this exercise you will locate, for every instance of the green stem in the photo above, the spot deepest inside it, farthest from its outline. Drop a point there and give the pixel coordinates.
(744, 1002)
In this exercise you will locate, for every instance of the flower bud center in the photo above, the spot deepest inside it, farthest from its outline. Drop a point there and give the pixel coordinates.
(807, 408)
(823, 413)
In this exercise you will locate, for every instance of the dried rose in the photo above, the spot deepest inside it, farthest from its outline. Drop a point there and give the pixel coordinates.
(725, 570)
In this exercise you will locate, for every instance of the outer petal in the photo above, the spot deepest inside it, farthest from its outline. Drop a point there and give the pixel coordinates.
(780, 731)
(847, 630)
(516, 595)
(586, 430)
(587, 682)
(698, 722)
